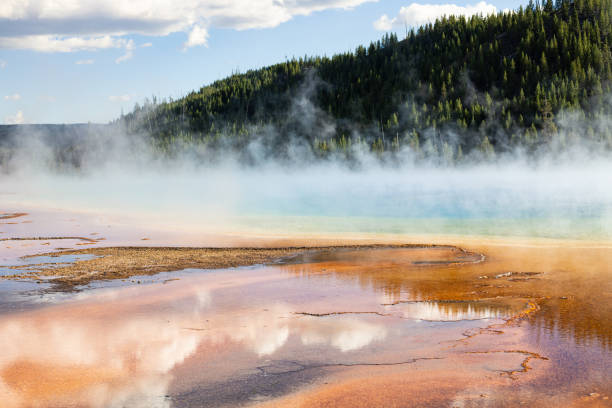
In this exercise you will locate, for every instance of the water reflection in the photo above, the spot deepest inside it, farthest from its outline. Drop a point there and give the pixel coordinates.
(120, 347)
(571, 282)
(346, 334)
(146, 345)
(100, 360)
(452, 310)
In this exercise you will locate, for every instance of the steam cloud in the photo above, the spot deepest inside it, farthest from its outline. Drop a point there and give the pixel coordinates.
(565, 192)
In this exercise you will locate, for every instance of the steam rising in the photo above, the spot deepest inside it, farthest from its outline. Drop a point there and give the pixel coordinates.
(564, 193)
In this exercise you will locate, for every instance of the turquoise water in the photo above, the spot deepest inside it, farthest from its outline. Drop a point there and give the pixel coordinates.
(576, 228)
(554, 201)
(492, 205)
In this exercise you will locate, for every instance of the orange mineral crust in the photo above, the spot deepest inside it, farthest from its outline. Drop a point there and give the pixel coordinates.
(470, 323)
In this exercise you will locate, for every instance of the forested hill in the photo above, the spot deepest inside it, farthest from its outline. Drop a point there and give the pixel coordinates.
(462, 85)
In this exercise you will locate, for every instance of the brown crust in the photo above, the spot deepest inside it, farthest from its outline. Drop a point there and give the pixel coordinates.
(6, 216)
(124, 262)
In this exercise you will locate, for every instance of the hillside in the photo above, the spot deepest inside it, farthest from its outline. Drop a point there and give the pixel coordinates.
(484, 84)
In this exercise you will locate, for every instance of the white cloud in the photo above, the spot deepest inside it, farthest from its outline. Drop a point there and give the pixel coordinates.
(13, 97)
(415, 15)
(68, 25)
(85, 62)
(147, 45)
(384, 23)
(129, 52)
(120, 98)
(3, 64)
(50, 43)
(128, 55)
(18, 119)
(197, 36)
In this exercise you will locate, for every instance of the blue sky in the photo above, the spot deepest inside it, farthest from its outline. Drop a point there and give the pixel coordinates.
(65, 62)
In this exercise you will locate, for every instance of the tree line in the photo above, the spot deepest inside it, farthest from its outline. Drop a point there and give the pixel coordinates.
(484, 84)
